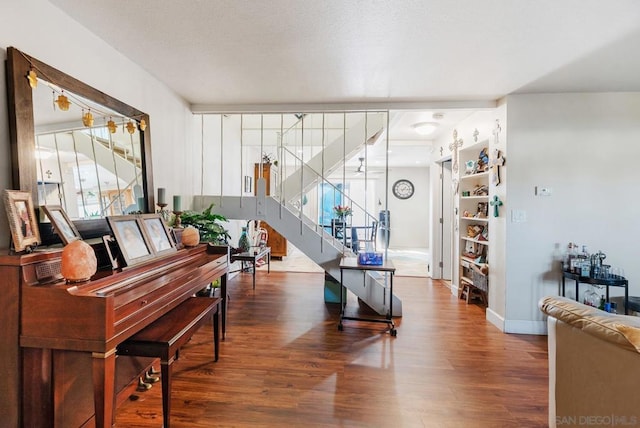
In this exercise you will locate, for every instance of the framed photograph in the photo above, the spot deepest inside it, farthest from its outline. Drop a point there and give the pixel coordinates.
(62, 224)
(158, 234)
(22, 219)
(132, 242)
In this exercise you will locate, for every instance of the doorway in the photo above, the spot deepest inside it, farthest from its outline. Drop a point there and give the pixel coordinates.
(446, 222)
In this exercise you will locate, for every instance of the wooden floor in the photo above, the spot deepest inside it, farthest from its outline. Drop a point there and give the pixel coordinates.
(285, 364)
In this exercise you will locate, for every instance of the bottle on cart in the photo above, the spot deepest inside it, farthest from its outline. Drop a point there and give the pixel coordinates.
(585, 262)
(569, 258)
(602, 301)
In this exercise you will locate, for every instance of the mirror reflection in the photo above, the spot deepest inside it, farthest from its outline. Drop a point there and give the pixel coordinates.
(92, 168)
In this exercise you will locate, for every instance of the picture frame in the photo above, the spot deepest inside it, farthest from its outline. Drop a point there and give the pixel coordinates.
(62, 224)
(247, 183)
(131, 238)
(158, 234)
(22, 220)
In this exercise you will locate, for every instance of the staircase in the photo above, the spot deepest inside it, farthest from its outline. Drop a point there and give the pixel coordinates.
(306, 174)
(312, 240)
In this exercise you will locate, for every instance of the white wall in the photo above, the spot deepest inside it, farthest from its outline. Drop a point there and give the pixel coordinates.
(586, 148)
(409, 218)
(43, 31)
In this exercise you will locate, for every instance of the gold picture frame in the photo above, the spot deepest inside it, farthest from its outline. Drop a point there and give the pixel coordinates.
(22, 220)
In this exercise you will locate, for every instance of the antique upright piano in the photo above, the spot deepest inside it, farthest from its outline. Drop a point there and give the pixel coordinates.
(58, 340)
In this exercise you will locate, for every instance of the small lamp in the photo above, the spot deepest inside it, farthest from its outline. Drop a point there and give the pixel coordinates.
(78, 262)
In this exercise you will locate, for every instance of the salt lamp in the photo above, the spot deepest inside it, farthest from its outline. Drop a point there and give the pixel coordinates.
(190, 237)
(79, 261)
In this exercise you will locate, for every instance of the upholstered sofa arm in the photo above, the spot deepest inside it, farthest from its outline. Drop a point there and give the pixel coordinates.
(620, 330)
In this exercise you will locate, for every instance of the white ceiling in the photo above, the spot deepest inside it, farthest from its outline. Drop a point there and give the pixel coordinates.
(235, 54)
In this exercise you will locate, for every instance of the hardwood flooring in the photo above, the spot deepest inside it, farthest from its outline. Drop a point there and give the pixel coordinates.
(284, 363)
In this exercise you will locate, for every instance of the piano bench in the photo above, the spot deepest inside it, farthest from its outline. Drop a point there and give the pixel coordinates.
(164, 337)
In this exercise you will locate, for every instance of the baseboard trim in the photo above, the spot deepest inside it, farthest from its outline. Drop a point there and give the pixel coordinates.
(526, 327)
(453, 288)
(516, 326)
(495, 319)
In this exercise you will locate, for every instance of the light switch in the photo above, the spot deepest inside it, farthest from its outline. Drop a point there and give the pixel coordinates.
(518, 216)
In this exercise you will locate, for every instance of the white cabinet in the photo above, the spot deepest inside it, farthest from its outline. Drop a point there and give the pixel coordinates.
(473, 221)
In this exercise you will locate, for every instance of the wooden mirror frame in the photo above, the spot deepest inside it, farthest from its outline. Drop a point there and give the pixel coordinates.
(22, 130)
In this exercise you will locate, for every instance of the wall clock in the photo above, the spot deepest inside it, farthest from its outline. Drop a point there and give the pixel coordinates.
(403, 189)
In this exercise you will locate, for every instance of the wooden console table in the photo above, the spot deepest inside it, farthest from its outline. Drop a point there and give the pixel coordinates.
(252, 256)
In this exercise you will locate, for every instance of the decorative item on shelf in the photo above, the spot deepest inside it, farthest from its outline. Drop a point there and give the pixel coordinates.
(495, 203)
(496, 162)
(243, 243)
(457, 143)
(142, 125)
(483, 210)
(162, 203)
(25, 235)
(268, 158)
(474, 230)
(342, 211)
(78, 262)
(496, 132)
(471, 167)
(177, 210)
(61, 223)
(190, 236)
(483, 160)
(481, 190)
(208, 224)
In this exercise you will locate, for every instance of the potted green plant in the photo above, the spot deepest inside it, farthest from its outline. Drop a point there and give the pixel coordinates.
(208, 224)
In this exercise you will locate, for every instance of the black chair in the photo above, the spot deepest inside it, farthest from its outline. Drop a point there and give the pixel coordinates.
(339, 231)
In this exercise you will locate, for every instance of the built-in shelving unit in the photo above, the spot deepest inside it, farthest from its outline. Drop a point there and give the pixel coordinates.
(473, 215)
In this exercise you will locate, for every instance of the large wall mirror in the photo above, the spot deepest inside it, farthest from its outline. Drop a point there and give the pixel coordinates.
(75, 146)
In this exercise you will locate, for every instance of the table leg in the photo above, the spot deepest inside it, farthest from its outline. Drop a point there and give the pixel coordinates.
(341, 290)
(626, 299)
(254, 273)
(563, 293)
(223, 294)
(577, 288)
(393, 330)
(269, 262)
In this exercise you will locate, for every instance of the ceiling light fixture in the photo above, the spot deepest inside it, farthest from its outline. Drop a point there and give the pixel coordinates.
(425, 128)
